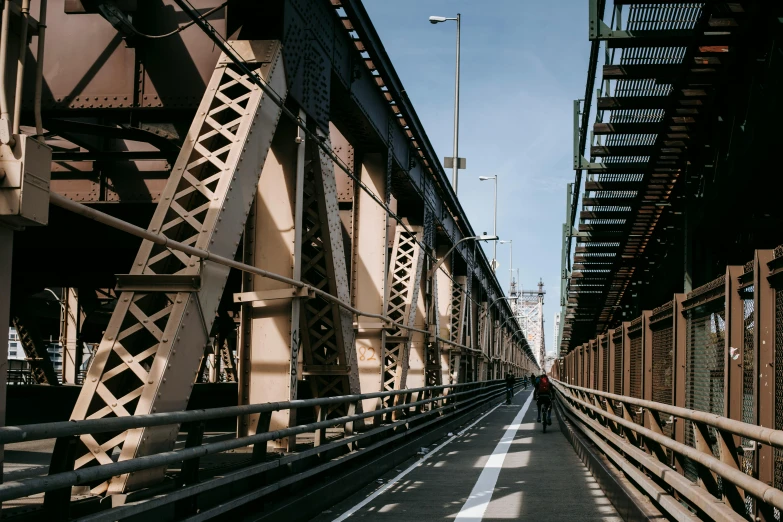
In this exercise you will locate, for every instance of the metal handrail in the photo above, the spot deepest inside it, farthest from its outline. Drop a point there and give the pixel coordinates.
(627, 456)
(23, 488)
(768, 436)
(748, 484)
(29, 432)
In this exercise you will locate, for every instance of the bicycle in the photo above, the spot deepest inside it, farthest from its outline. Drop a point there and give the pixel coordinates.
(545, 408)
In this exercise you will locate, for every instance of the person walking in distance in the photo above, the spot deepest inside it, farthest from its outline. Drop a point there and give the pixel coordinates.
(509, 387)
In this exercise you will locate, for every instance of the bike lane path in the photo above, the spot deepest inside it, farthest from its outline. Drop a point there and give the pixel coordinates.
(501, 468)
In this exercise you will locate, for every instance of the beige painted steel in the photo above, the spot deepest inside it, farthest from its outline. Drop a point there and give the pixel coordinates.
(403, 285)
(271, 235)
(154, 341)
(369, 270)
(70, 324)
(443, 304)
(328, 339)
(417, 361)
(458, 326)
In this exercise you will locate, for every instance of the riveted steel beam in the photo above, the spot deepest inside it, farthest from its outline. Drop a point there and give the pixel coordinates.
(150, 352)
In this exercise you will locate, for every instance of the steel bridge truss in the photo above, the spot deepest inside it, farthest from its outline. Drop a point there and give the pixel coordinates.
(165, 313)
(304, 205)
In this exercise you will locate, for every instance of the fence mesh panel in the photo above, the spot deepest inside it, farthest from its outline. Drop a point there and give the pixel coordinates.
(605, 353)
(705, 345)
(636, 363)
(617, 342)
(778, 453)
(748, 355)
(663, 352)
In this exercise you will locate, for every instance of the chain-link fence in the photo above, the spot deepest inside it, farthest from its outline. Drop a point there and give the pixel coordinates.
(718, 349)
(704, 384)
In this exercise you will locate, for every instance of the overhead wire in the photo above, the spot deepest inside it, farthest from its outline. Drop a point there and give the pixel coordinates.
(135, 31)
(226, 46)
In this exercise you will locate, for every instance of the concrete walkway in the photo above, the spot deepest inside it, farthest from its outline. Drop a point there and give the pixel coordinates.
(498, 469)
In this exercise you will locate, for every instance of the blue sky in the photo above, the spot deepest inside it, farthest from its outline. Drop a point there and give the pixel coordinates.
(523, 63)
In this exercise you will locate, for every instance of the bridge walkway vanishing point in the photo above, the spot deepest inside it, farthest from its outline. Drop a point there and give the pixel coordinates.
(500, 466)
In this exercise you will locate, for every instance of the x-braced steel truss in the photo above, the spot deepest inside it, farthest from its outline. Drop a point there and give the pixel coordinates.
(402, 294)
(457, 326)
(150, 352)
(328, 336)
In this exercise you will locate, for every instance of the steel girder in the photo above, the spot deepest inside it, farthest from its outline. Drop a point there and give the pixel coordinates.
(402, 295)
(149, 354)
(368, 268)
(458, 326)
(329, 351)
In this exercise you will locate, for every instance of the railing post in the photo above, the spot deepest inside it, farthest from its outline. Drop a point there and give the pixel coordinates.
(585, 365)
(626, 349)
(57, 502)
(577, 367)
(647, 356)
(654, 423)
(348, 429)
(609, 366)
(320, 433)
(679, 338)
(732, 494)
(189, 472)
(259, 448)
(732, 375)
(630, 435)
(764, 317)
(702, 439)
(592, 347)
(735, 330)
(602, 377)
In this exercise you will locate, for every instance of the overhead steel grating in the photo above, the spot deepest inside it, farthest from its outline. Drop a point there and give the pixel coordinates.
(663, 65)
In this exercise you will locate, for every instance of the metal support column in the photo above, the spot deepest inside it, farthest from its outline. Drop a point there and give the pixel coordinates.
(151, 349)
(402, 300)
(457, 324)
(270, 339)
(368, 267)
(70, 329)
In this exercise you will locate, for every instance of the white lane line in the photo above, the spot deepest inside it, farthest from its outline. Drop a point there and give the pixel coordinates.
(396, 479)
(474, 508)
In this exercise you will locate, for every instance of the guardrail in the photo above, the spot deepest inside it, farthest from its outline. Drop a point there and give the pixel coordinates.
(717, 349)
(630, 432)
(413, 410)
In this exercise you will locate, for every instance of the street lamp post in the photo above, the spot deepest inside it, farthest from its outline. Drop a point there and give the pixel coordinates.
(510, 261)
(483, 237)
(494, 220)
(455, 157)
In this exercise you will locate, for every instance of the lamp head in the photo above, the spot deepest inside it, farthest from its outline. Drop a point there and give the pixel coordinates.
(437, 19)
(485, 237)
(485, 178)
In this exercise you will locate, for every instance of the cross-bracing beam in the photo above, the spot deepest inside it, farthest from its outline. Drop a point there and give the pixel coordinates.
(205, 204)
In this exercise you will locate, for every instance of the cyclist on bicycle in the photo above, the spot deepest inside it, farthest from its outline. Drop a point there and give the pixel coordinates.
(509, 387)
(543, 397)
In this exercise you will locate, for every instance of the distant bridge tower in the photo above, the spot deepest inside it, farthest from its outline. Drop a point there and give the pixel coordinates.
(530, 309)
